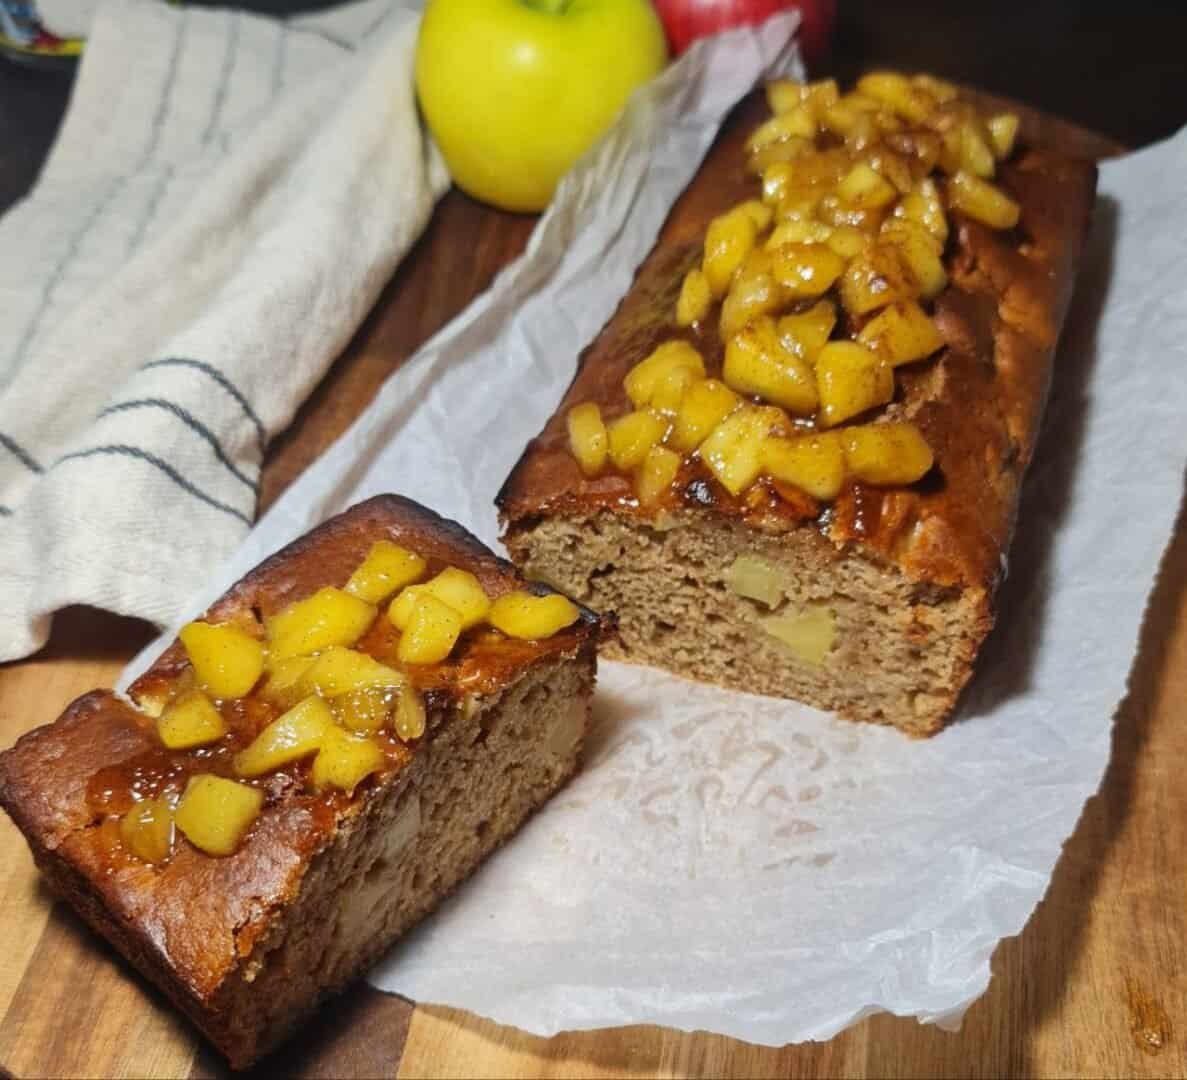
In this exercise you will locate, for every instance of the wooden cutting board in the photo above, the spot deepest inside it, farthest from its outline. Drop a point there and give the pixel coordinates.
(1092, 987)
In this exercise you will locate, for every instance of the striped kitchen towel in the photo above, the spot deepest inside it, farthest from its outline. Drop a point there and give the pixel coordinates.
(225, 200)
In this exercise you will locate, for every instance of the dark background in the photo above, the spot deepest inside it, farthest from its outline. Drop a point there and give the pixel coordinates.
(1119, 69)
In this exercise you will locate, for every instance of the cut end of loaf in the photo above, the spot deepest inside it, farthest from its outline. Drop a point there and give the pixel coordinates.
(790, 616)
(488, 767)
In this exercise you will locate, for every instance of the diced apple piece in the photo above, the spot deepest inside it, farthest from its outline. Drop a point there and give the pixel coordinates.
(729, 238)
(462, 591)
(804, 333)
(670, 390)
(924, 206)
(812, 463)
(191, 720)
(339, 671)
(146, 830)
(798, 231)
(642, 379)
(820, 94)
(703, 407)
(951, 158)
(851, 379)
(896, 229)
(846, 115)
(399, 611)
(847, 241)
(386, 569)
(887, 454)
(431, 632)
(656, 474)
(892, 167)
(290, 737)
(806, 271)
(784, 95)
(754, 292)
(525, 615)
(896, 91)
(862, 187)
(631, 436)
(759, 213)
(365, 710)
(283, 685)
(587, 437)
(982, 201)
(215, 813)
(798, 122)
(888, 123)
(809, 635)
(834, 211)
(328, 617)
(863, 133)
(976, 152)
(939, 89)
(1003, 130)
(757, 363)
(755, 579)
(919, 255)
(227, 661)
(921, 148)
(877, 277)
(965, 140)
(695, 298)
(344, 761)
(820, 168)
(410, 715)
(776, 180)
(761, 160)
(863, 102)
(800, 204)
(901, 333)
(731, 452)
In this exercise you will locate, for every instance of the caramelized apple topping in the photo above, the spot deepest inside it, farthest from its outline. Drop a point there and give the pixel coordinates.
(330, 712)
(215, 813)
(851, 216)
(147, 830)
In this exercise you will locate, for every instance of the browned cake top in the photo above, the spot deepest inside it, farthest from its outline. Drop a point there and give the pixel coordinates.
(977, 402)
(482, 663)
(70, 784)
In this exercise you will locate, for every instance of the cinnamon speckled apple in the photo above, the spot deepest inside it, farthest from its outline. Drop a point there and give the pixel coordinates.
(514, 91)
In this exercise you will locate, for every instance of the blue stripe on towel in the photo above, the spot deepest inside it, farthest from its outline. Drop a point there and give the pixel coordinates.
(222, 380)
(192, 423)
(143, 455)
(20, 453)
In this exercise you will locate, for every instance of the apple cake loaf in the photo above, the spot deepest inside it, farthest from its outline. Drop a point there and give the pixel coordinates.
(311, 767)
(790, 462)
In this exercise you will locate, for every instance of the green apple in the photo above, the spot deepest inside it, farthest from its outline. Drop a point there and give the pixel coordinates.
(514, 91)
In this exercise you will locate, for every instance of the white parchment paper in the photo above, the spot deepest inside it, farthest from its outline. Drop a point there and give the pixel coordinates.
(751, 866)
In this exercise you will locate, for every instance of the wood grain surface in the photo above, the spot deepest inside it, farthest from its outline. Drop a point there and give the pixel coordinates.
(1092, 987)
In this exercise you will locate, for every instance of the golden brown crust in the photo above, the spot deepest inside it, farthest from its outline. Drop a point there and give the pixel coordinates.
(978, 403)
(191, 924)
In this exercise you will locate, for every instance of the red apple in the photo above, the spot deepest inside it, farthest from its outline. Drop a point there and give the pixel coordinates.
(687, 20)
